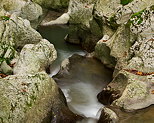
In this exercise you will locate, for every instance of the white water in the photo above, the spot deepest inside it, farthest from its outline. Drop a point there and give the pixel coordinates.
(81, 98)
(62, 55)
(84, 82)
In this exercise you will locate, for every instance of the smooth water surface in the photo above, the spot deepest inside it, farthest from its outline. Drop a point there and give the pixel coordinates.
(85, 78)
(56, 34)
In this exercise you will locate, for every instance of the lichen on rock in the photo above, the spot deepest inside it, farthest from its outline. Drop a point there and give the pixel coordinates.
(35, 57)
(27, 98)
(134, 62)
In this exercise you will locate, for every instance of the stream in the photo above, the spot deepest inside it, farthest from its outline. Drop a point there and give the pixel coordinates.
(85, 79)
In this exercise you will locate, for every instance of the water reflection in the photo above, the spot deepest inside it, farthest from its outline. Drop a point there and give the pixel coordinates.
(56, 34)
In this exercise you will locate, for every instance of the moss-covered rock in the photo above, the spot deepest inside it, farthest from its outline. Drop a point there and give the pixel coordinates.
(28, 98)
(32, 12)
(133, 75)
(34, 58)
(15, 33)
(25, 9)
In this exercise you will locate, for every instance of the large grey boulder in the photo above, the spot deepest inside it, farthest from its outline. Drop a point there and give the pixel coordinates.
(15, 32)
(32, 12)
(28, 98)
(35, 57)
(18, 32)
(25, 9)
(80, 12)
(83, 27)
(133, 50)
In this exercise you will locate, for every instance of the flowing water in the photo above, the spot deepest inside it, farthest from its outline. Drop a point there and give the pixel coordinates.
(85, 79)
(55, 35)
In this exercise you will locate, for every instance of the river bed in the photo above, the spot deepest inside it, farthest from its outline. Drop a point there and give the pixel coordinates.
(85, 80)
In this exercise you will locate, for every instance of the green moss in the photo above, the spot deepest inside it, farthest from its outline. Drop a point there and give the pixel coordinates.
(125, 2)
(136, 17)
(112, 22)
(4, 18)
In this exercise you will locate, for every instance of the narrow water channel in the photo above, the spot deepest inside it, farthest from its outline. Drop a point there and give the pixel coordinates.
(86, 77)
(56, 35)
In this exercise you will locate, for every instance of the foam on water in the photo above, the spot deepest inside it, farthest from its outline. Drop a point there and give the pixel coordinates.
(86, 80)
(81, 98)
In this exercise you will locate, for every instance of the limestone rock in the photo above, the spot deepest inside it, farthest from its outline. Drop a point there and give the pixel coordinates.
(15, 32)
(108, 116)
(80, 12)
(52, 4)
(32, 12)
(28, 98)
(35, 57)
(25, 9)
(63, 19)
(114, 13)
(133, 75)
(18, 32)
(137, 94)
(6, 69)
(12, 5)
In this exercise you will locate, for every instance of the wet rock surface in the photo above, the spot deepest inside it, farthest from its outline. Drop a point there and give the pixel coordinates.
(108, 116)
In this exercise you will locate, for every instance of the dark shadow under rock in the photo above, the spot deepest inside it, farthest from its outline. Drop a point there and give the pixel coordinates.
(114, 90)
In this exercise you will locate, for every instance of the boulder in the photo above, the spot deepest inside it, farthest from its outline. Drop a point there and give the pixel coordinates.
(63, 19)
(32, 12)
(108, 116)
(35, 57)
(29, 98)
(115, 13)
(25, 9)
(132, 86)
(80, 12)
(15, 32)
(18, 31)
(87, 31)
(12, 5)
